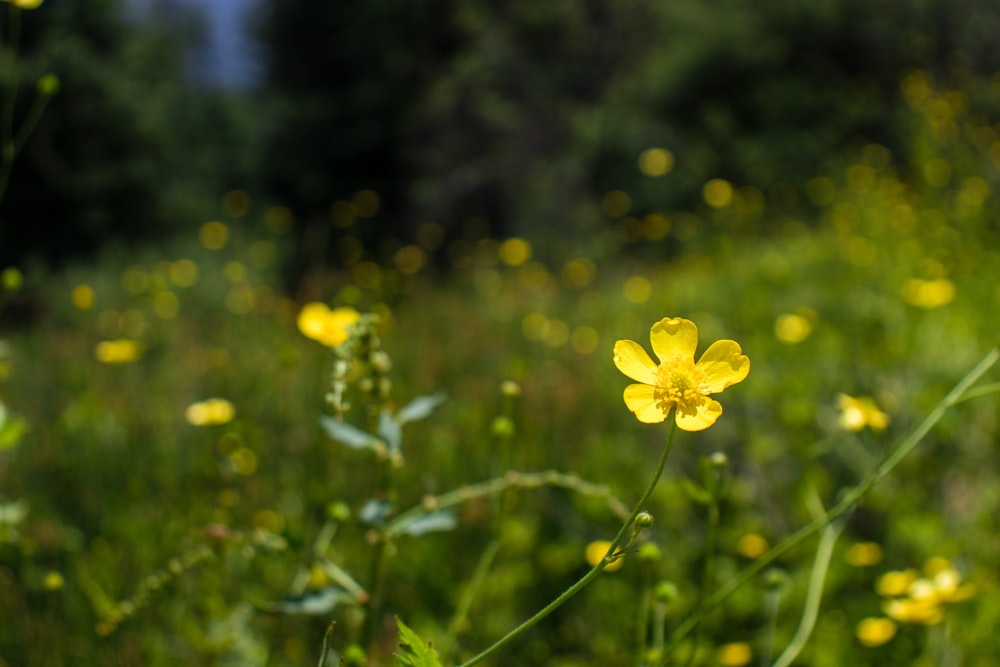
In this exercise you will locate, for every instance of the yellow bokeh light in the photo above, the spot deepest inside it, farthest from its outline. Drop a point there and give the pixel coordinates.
(579, 272)
(118, 351)
(863, 554)
(236, 203)
(584, 340)
(514, 251)
(752, 545)
(718, 193)
(366, 203)
(655, 226)
(244, 461)
(792, 328)
(166, 305)
(535, 326)
(616, 204)
(734, 654)
(279, 220)
(409, 259)
(83, 297)
(638, 289)
(656, 162)
(213, 235)
(212, 411)
(183, 273)
(329, 327)
(595, 553)
(929, 293)
(875, 631)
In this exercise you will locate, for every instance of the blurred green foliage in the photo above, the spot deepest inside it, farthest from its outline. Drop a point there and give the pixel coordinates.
(167, 490)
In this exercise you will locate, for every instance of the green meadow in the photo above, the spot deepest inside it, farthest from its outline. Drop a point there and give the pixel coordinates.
(419, 445)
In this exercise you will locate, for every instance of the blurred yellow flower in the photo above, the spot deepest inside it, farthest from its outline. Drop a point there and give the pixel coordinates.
(929, 293)
(118, 351)
(735, 654)
(210, 411)
(25, 4)
(875, 631)
(863, 554)
(83, 297)
(677, 381)
(752, 545)
(921, 600)
(329, 327)
(53, 581)
(595, 554)
(857, 413)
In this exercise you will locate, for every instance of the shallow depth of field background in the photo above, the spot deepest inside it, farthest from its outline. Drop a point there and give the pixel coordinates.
(512, 187)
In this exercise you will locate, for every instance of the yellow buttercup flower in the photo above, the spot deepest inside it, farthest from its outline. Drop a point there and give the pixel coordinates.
(677, 381)
(329, 327)
(857, 413)
(595, 554)
(26, 4)
(210, 411)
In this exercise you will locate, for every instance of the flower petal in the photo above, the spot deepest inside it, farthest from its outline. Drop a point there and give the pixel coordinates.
(723, 364)
(674, 337)
(633, 361)
(641, 399)
(705, 416)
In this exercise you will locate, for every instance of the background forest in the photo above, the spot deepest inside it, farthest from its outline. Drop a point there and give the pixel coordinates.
(502, 190)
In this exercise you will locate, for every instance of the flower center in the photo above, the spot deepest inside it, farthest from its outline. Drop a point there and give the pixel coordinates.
(678, 383)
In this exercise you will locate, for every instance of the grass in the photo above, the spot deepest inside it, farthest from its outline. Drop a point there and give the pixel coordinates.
(149, 540)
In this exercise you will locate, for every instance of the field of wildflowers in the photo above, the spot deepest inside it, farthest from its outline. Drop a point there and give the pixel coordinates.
(456, 452)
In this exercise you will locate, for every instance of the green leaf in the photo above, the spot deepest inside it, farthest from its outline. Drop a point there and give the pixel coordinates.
(434, 522)
(349, 435)
(413, 651)
(390, 431)
(313, 603)
(419, 408)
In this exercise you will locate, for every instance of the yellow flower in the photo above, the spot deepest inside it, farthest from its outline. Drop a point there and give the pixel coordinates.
(210, 411)
(677, 381)
(595, 554)
(856, 413)
(329, 327)
(735, 654)
(875, 631)
(26, 4)
(120, 351)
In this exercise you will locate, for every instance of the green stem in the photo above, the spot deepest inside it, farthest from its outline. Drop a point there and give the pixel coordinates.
(817, 578)
(592, 573)
(848, 500)
(708, 567)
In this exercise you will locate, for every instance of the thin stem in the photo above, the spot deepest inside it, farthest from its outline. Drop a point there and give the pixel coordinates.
(326, 643)
(848, 500)
(708, 567)
(590, 575)
(817, 578)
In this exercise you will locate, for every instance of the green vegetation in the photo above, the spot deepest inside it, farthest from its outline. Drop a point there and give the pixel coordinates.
(423, 445)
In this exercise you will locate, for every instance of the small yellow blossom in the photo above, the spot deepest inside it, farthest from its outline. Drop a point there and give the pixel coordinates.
(329, 327)
(210, 411)
(83, 297)
(53, 581)
(929, 293)
(752, 545)
(875, 631)
(119, 351)
(596, 552)
(677, 381)
(735, 654)
(26, 4)
(857, 413)
(921, 600)
(863, 554)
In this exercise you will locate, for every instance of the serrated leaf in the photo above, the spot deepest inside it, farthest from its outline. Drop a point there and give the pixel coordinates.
(413, 651)
(348, 435)
(419, 408)
(390, 431)
(434, 522)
